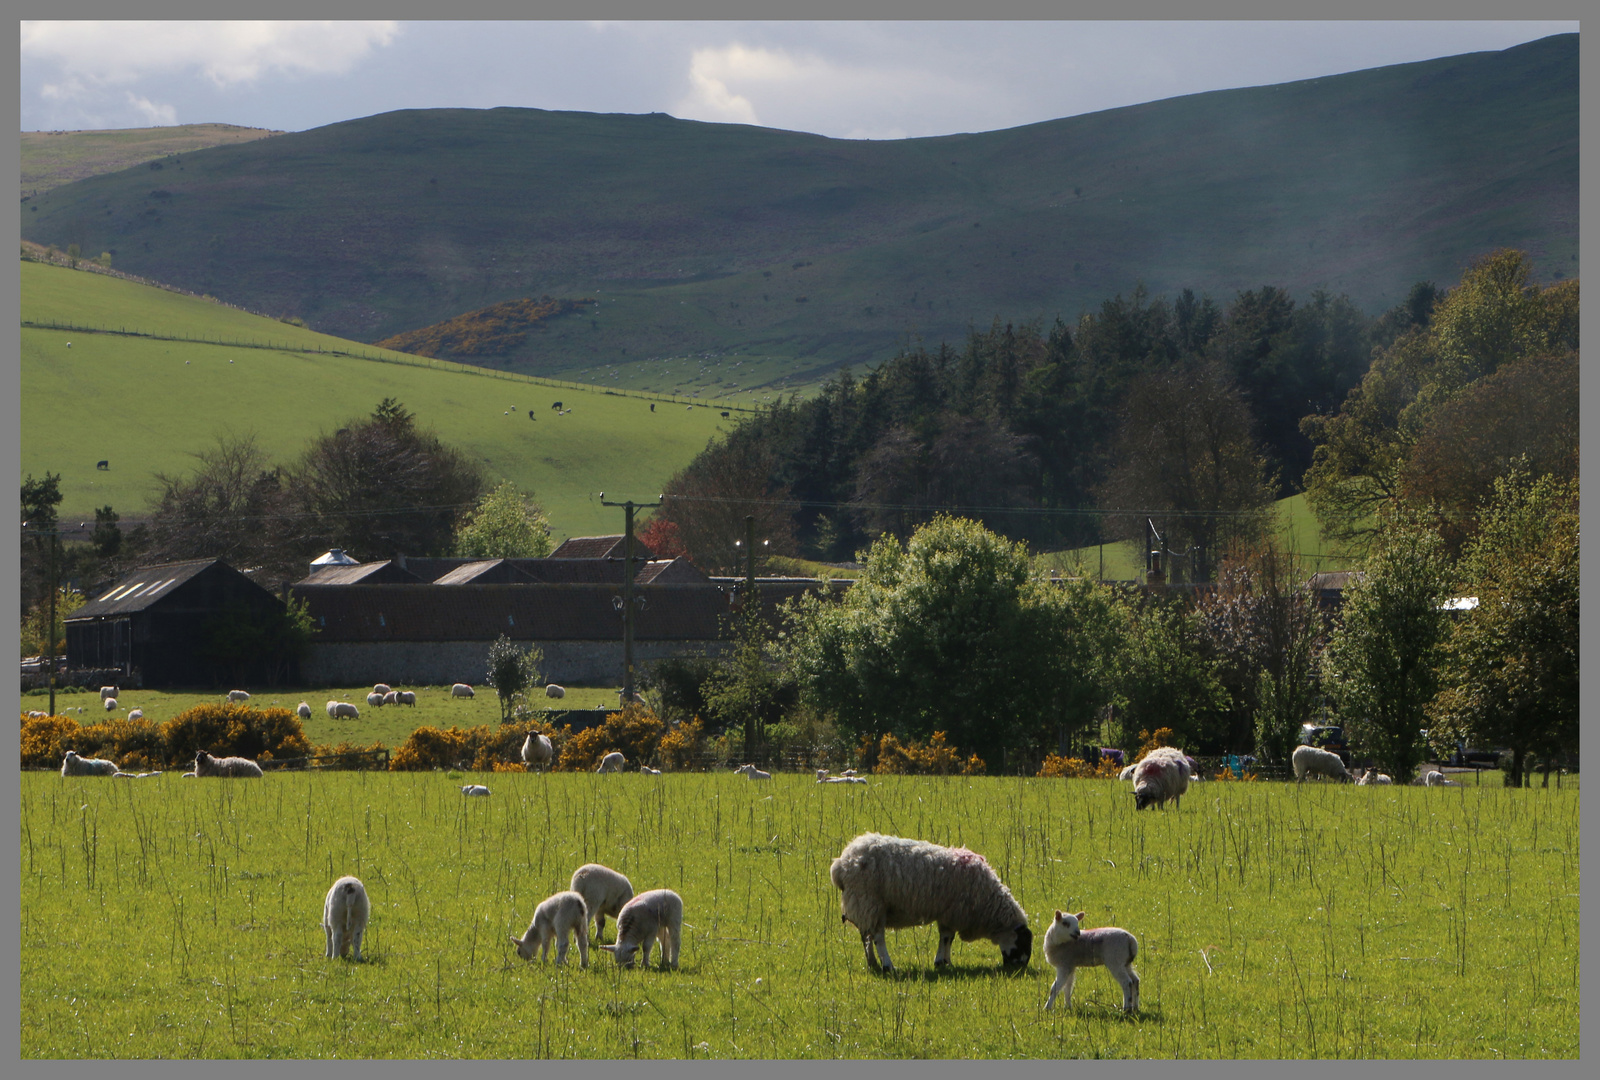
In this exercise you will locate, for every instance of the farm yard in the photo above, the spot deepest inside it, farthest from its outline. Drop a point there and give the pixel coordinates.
(176, 918)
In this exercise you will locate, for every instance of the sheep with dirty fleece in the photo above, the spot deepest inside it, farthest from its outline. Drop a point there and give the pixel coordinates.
(1312, 761)
(537, 749)
(604, 891)
(1068, 947)
(651, 916)
(238, 696)
(1159, 778)
(890, 883)
(206, 765)
(73, 765)
(559, 918)
(344, 917)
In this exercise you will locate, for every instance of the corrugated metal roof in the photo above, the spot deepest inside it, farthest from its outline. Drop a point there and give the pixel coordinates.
(484, 572)
(598, 547)
(142, 588)
(372, 573)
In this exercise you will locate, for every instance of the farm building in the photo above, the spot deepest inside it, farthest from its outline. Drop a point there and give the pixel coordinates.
(153, 624)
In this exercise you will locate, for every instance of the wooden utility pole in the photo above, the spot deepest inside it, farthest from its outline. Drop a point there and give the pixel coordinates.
(628, 508)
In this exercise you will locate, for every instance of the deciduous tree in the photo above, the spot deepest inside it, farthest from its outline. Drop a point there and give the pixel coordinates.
(504, 525)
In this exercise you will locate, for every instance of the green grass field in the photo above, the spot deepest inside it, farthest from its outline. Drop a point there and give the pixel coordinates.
(180, 919)
(145, 404)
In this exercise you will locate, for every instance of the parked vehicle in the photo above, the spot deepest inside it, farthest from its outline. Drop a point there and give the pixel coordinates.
(1326, 737)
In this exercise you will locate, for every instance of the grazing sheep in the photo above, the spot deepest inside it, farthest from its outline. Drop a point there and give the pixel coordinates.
(648, 771)
(1312, 761)
(303, 710)
(110, 703)
(604, 892)
(236, 696)
(750, 772)
(1373, 778)
(537, 749)
(889, 883)
(375, 700)
(381, 688)
(461, 689)
(206, 765)
(109, 691)
(474, 789)
(648, 917)
(344, 917)
(392, 697)
(1435, 778)
(1067, 948)
(1127, 774)
(844, 780)
(73, 765)
(551, 690)
(612, 762)
(1157, 778)
(338, 709)
(559, 917)
(136, 714)
(35, 714)
(406, 697)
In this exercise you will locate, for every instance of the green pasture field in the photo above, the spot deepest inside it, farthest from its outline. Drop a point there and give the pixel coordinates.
(145, 404)
(177, 918)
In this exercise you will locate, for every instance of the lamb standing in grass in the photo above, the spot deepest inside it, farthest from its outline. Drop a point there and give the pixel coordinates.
(1067, 947)
(537, 749)
(237, 696)
(73, 765)
(560, 916)
(1312, 761)
(344, 917)
(889, 883)
(206, 765)
(1157, 778)
(612, 762)
(1435, 778)
(647, 918)
(604, 891)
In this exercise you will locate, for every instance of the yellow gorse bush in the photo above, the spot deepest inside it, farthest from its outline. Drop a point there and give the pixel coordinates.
(1078, 769)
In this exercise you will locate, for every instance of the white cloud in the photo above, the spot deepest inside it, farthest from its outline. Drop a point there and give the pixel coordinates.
(226, 53)
(155, 115)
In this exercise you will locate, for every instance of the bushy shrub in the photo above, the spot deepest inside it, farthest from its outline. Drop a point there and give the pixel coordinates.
(1078, 769)
(46, 740)
(135, 745)
(680, 747)
(914, 759)
(635, 731)
(1150, 740)
(438, 748)
(235, 730)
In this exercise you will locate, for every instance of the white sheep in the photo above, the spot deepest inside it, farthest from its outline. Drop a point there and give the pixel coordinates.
(35, 714)
(406, 697)
(889, 883)
(1435, 778)
(236, 696)
(1067, 947)
(1127, 774)
(110, 703)
(303, 710)
(344, 917)
(1157, 778)
(537, 749)
(109, 691)
(73, 765)
(560, 916)
(188, 776)
(474, 789)
(206, 765)
(822, 774)
(1374, 778)
(136, 714)
(461, 689)
(647, 918)
(1313, 761)
(612, 762)
(375, 700)
(392, 697)
(848, 772)
(648, 771)
(337, 709)
(380, 688)
(551, 690)
(604, 892)
(843, 780)
(750, 772)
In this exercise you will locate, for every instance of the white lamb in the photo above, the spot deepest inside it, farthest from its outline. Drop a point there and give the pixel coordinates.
(406, 697)
(1157, 778)
(1313, 761)
(750, 772)
(303, 710)
(889, 883)
(344, 917)
(206, 765)
(73, 765)
(236, 696)
(604, 892)
(537, 749)
(612, 762)
(136, 714)
(647, 918)
(474, 789)
(337, 709)
(1127, 774)
(375, 700)
(1374, 777)
(461, 689)
(551, 690)
(110, 703)
(1067, 948)
(1435, 778)
(560, 917)
(648, 771)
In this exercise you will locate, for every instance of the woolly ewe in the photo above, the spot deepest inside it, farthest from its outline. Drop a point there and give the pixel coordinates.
(474, 789)
(110, 703)
(604, 891)
(461, 689)
(338, 709)
(303, 710)
(889, 883)
(750, 772)
(651, 916)
(238, 696)
(380, 688)
(206, 765)
(1312, 761)
(1067, 948)
(344, 917)
(1435, 778)
(406, 697)
(1157, 778)
(73, 765)
(554, 691)
(375, 700)
(560, 916)
(136, 714)
(537, 749)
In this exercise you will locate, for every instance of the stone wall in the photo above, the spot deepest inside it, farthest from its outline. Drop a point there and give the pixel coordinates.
(418, 663)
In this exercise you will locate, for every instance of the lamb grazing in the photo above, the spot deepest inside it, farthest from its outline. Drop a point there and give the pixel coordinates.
(612, 762)
(551, 690)
(73, 765)
(604, 892)
(375, 700)
(206, 765)
(1127, 774)
(559, 917)
(1312, 761)
(236, 696)
(380, 688)
(108, 691)
(474, 789)
(110, 703)
(406, 697)
(303, 711)
(752, 773)
(648, 917)
(537, 749)
(392, 698)
(1435, 778)
(1068, 948)
(344, 917)
(136, 714)
(461, 689)
(889, 883)
(1157, 778)
(343, 709)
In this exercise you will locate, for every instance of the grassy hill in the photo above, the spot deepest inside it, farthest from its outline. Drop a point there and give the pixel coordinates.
(53, 158)
(170, 371)
(740, 260)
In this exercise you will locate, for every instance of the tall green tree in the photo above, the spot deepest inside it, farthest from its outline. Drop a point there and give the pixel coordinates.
(513, 670)
(1383, 661)
(1166, 676)
(504, 525)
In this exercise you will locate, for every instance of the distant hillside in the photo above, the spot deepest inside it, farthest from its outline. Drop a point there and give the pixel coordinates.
(490, 331)
(53, 158)
(750, 259)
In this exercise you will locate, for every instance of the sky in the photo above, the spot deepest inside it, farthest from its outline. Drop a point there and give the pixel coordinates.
(856, 79)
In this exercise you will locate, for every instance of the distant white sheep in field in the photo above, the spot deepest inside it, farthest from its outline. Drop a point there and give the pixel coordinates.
(1374, 778)
(461, 689)
(206, 765)
(750, 772)
(551, 690)
(1127, 774)
(558, 918)
(136, 714)
(1067, 947)
(604, 892)
(344, 917)
(889, 883)
(35, 714)
(406, 697)
(612, 762)
(343, 709)
(537, 749)
(1159, 777)
(651, 916)
(236, 696)
(375, 700)
(648, 771)
(1435, 778)
(380, 688)
(1313, 761)
(73, 765)
(110, 703)
(109, 691)
(474, 789)
(392, 697)
(303, 710)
